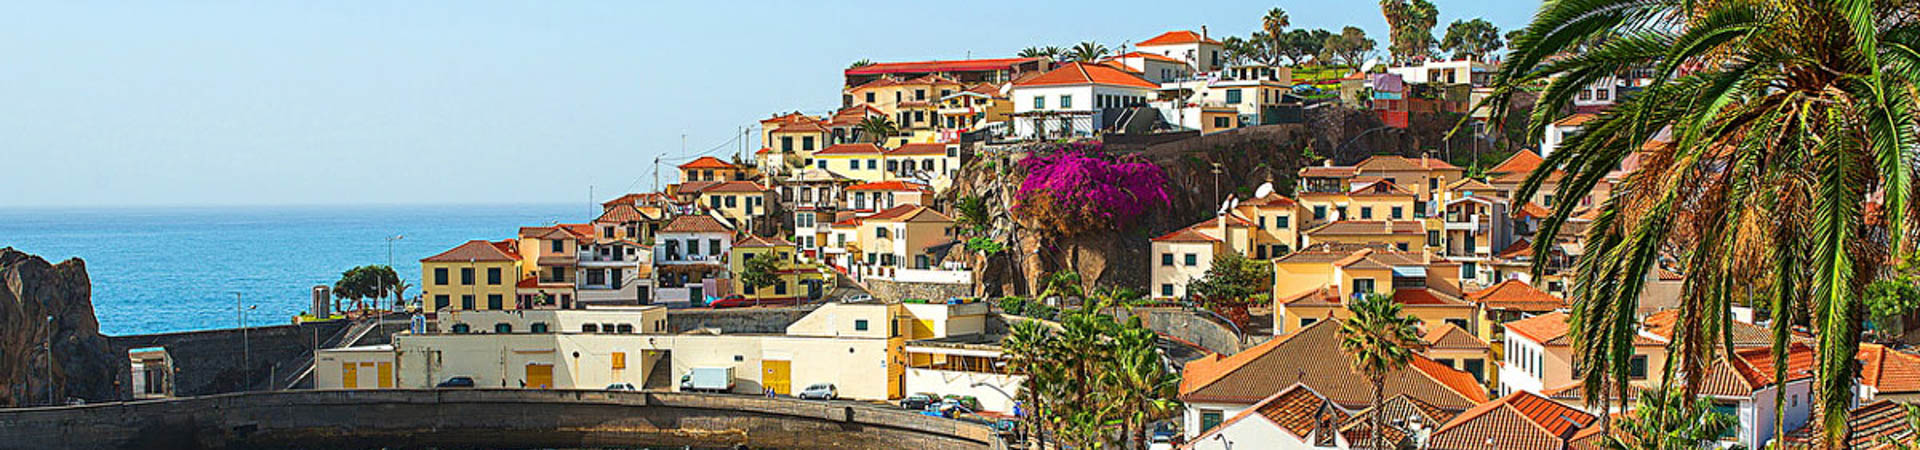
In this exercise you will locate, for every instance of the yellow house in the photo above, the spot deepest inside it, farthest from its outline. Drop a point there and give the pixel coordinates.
(932, 164)
(1425, 177)
(911, 104)
(983, 103)
(1277, 224)
(474, 275)
(797, 280)
(1183, 256)
(902, 236)
(1218, 118)
(743, 202)
(788, 146)
(1462, 350)
(625, 221)
(860, 162)
(1315, 284)
(1401, 235)
(709, 168)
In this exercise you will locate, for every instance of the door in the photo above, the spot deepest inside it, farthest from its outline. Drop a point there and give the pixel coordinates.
(385, 370)
(540, 376)
(695, 296)
(778, 376)
(349, 375)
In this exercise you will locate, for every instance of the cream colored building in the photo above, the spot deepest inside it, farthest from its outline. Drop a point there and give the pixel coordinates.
(364, 367)
(861, 162)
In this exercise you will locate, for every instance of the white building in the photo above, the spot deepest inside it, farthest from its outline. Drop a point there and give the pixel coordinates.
(690, 260)
(615, 271)
(1195, 49)
(1154, 67)
(1251, 91)
(1560, 130)
(1075, 100)
(1295, 418)
(1463, 71)
(957, 355)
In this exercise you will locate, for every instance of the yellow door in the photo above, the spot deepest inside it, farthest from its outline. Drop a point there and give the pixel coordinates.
(540, 376)
(385, 369)
(778, 377)
(349, 375)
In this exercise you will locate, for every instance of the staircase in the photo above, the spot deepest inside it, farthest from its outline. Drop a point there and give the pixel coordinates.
(346, 338)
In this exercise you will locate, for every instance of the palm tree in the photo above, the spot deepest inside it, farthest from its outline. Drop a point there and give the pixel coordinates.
(1669, 419)
(1029, 347)
(1139, 382)
(877, 129)
(863, 62)
(1033, 52)
(1790, 121)
(1378, 340)
(1275, 25)
(1088, 51)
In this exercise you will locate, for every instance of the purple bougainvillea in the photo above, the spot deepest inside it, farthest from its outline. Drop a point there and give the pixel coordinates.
(1079, 187)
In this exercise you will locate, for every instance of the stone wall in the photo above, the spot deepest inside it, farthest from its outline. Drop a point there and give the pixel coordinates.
(1193, 327)
(230, 360)
(730, 321)
(484, 418)
(893, 291)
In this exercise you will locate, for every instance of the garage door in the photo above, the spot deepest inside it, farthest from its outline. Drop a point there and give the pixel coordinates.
(540, 376)
(778, 376)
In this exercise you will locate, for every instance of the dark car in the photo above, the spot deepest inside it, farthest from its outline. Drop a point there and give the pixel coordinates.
(456, 382)
(919, 402)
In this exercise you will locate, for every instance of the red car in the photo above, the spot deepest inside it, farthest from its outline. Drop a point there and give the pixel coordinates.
(735, 301)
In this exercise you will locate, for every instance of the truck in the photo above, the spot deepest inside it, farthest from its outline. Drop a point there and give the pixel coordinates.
(707, 379)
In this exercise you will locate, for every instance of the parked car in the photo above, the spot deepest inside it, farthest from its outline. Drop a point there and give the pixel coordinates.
(856, 298)
(621, 387)
(731, 301)
(919, 402)
(456, 382)
(820, 391)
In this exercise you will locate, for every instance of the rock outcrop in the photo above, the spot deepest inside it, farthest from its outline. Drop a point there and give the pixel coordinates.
(51, 305)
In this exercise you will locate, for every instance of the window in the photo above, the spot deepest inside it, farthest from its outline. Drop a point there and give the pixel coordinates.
(466, 276)
(806, 143)
(869, 97)
(1366, 212)
(1433, 238)
(1637, 367)
(1233, 96)
(786, 143)
(559, 246)
(1363, 286)
(440, 302)
(1222, 122)
(1166, 259)
(1192, 260)
(538, 327)
(919, 94)
(1307, 321)
(493, 276)
(1319, 212)
(880, 233)
(1282, 222)
(460, 328)
(503, 328)
(619, 360)
(1039, 102)
(591, 328)
(466, 302)
(873, 164)
(1402, 246)
(860, 325)
(853, 164)
(439, 275)
(1209, 418)
(625, 328)
(1066, 101)
(494, 301)
(1467, 270)
(1397, 211)
(1166, 289)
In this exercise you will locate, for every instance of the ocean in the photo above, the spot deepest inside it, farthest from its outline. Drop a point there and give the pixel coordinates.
(178, 269)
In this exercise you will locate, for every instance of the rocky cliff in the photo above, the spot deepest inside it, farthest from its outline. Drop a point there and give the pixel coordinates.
(50, 305)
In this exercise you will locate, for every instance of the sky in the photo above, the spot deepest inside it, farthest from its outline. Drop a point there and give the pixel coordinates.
(193, 103)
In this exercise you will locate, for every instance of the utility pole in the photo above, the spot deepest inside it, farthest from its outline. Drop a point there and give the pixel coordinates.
(246, 350)
(49, 351)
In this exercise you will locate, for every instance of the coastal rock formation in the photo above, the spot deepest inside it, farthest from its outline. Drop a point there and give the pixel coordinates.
(51, 305)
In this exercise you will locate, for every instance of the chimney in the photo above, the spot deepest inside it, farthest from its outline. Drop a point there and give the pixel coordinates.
(1203, 32)
(1326, 162)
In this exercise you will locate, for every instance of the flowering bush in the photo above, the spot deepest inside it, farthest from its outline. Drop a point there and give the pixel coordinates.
(1078, 187)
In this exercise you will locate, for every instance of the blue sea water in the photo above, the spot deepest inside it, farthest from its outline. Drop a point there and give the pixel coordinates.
(177, 269)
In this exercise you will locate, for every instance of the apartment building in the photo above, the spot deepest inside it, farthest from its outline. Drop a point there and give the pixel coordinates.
(472, 276)
(1316, 284)
(1075, 100)
(690, 260)
(1196, 50)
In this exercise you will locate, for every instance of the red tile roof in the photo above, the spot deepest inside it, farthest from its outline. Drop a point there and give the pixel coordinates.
(1875, 426)
(1575, 120)
(1329, 171)
(801, 127)
(736, 187)
(1188, 234)
(919, 149)
(1448, 336)
(1662, 324)
(708, 162)
(1522, 162)
(1301, 357)
(1521, 420)
(850, 149)
(695, 224)
(965, 65)
(637, 198)
(1534, 210)
(1176, 38)
(1152, 56)
(1889, 371)
(1371, 227)
(1393, 163)
(1274, 199)
(1517, 295)
(1072, 74)
(476, 251)
(622, 214)
(1520, 248)
(1378, 188)
(1544, 329)
(891, 185)
(1752, 369)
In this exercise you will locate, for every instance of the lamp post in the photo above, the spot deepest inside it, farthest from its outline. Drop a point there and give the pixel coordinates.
(48, 350)
(396, 274)
(246, 345)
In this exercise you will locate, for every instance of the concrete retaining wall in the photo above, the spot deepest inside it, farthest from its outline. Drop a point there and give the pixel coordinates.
(229, 360)
(482, 418)
(894, 291)
(731, 321)
(1190, 326)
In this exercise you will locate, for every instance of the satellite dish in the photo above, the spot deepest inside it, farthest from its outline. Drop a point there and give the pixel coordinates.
(1265, 189)
(1224, 206)
(1368, 67)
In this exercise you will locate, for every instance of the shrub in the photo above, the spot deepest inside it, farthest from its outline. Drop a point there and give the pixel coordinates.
(1075, 188)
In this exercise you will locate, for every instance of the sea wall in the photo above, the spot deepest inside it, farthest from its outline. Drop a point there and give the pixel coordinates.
(744, 320)
(509, 418)
(232, 360)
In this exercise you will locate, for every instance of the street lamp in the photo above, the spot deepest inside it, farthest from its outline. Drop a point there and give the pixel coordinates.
(246, 346)
(48, 350)
(396, 274)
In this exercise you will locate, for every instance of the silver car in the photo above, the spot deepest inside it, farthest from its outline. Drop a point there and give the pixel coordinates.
(821, 391)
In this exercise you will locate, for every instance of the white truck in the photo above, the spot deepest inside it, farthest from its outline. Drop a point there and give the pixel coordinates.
(707, 379)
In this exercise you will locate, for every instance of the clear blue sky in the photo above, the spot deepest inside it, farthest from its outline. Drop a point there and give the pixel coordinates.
(326, 102)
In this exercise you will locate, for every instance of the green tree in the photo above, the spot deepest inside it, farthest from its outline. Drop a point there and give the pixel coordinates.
(1670, 419)
(1231, 284)
(863, 62)
(1471, 39)
(762, 271)
(365, 282)
(1088, 51)
(972, 214)
(1410, 23)
(1274, 25)
(1088, 373)
(1033, 52)
(1237, 51)
(1302, 44)
(1139, 382)
(876, 129)
(1350, 47)
(1788, 120)
(1379, 339)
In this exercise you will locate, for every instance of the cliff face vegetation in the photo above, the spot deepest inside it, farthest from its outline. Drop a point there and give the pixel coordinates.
(51, 306)
(1200, 171)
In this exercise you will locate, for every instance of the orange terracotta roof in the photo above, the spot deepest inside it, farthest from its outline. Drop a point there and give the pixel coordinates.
(763, 151)
(1121, 66)
(708, 162)
(1393, 163)
(1400, 408)
(1522, 162)
(1378, 188)
(1329, 171)
(884, 214)
(964, 65)
(1450, 336)
(1519, 249)
(1423, 297)
(1575, 120)
(1521, 420)
(1752, 369)
(1517, 295)
(890, 185)
(1271, 200)
(736, 187)
(1301, 357)
(1870, 427)
(850, 149)
(622, 214)
(1889, 371)
(695, 224)
(801, 127)
(1176, 38)
(475, 251)
(1152, 56)
(1297, 409)
(1371, 227)
(791, 117)
(636, 199)
(1085, 73)
(1188, 234)
(1534, 210)
(1544, 329)
(1662, 324)
(919, 149)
